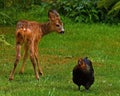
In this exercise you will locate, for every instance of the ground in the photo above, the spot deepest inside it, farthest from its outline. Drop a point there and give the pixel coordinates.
(58, 55)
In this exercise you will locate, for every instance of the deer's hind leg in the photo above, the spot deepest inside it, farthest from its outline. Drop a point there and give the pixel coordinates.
(26, 48)
(18, 55)
(32, 58)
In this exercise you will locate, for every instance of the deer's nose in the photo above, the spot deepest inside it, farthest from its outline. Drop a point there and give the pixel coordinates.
(62, 32)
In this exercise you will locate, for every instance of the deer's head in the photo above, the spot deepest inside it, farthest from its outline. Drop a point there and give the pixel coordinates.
(55, 21)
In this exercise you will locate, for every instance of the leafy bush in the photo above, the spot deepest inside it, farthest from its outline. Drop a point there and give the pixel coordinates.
(87, 11)
(11, 14)
(106, 11)
(4, 18)
(79, 10)
(110, 10)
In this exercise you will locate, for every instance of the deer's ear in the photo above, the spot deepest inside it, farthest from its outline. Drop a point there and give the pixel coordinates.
(52, 15)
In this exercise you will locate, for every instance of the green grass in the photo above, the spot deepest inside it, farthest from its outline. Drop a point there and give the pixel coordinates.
(58, 55)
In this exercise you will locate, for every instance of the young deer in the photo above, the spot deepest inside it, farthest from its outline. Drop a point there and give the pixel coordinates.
(29, 33)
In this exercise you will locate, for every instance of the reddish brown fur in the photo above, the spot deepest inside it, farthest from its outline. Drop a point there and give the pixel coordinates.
(29, 33)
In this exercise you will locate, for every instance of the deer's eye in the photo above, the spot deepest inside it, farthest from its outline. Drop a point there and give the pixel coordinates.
(57, 25)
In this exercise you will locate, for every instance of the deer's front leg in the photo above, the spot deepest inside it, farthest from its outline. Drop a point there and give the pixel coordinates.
(32, 58)
(18, 48)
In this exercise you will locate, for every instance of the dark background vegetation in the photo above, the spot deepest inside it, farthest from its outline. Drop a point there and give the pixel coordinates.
(87, 11)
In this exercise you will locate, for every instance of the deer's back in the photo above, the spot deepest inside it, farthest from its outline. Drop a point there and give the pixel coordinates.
(28, 30)
(32, 25)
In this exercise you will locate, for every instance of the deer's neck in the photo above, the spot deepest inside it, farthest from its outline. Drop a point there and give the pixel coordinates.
(46, 28)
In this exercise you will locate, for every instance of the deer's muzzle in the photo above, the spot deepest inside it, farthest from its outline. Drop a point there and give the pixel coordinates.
(62, 32)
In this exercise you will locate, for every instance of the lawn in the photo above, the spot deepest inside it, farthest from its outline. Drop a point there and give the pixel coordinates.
(58, 55)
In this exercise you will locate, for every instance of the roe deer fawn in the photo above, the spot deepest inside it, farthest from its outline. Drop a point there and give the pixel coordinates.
(29, 33)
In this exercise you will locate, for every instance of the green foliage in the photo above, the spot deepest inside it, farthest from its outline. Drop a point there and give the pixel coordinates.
(15, 10)
(110, 8)
(78, 10)
(5, 18)
(115, 9)
(106, 3)
(3, 40)
(87, 11)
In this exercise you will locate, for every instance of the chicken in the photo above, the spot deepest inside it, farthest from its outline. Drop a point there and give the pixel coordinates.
(83, 73)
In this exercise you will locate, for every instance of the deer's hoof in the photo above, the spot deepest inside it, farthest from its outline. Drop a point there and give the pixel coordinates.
(41, 73)
(11, 78)
(21, 72)
(37, 77)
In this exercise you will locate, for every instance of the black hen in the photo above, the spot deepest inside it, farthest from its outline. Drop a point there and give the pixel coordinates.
(83, 73)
